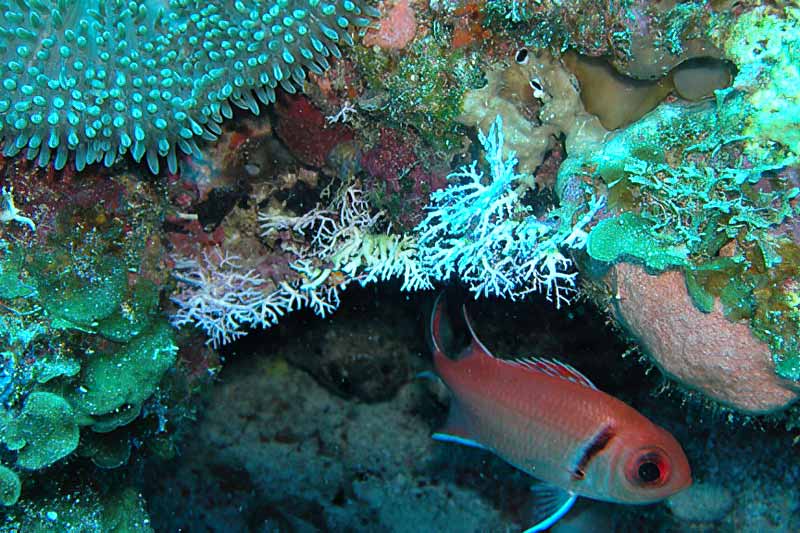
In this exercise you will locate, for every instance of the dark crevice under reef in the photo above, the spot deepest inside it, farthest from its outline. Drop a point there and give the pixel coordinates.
(275, 449)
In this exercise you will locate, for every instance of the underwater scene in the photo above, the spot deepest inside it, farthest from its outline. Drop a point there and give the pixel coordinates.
(399, 266)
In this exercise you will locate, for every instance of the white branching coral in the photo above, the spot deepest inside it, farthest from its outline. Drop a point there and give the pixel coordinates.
(219, 297)
(224, 299)
(343, 240)
(10, 213)
(479, 229)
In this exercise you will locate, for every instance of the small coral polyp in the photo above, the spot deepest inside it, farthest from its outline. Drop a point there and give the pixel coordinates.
(103, 78)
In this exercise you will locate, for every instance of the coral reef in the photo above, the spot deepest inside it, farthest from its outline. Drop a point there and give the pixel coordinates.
(541, 83)
(341, 247)
(604, 178)
(423, 89)
(396, 30)
(689, 188)
(401, 182)
(305, 132)
(724, 360)
(621, 30)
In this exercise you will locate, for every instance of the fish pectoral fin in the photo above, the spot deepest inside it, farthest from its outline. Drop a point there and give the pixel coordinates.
(551, 503)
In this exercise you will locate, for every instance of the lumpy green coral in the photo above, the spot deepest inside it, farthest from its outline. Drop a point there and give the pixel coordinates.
(105, 78)
(128, 376)
(627, 236)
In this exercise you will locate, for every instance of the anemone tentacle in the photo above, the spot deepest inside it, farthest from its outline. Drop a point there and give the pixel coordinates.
(102, 78)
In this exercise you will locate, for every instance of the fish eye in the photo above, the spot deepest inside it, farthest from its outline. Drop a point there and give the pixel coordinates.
(649, 472)
(649, 468)
(538, 88)
(521, 56)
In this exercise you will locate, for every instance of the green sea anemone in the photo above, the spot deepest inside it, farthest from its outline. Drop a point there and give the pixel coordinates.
(102, 78)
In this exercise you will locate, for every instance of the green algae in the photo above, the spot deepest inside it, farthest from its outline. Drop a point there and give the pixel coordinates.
(10, 486)
(628, 237)
(44, 432)
(127, 376)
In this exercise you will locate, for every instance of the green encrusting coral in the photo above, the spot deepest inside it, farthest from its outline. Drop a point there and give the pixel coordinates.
(123, 379)
(627, 236)
(82, 509)
(104, 78)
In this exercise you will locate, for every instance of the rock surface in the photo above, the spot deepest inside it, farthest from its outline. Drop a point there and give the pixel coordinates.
(704, 352)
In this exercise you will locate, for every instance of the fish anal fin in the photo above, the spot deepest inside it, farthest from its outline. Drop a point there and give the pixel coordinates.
(553, 368)
(455, 430)
(551, 503)
(448, 437)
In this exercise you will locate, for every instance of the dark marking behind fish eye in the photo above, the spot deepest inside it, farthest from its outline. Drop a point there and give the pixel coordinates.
(521, 56)
(649, 472)
(597, 444)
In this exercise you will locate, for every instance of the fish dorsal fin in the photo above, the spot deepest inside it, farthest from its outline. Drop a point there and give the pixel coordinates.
(476, 342)
(553, 368)
(549, 367)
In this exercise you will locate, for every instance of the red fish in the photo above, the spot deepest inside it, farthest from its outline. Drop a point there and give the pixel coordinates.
(548, 420)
